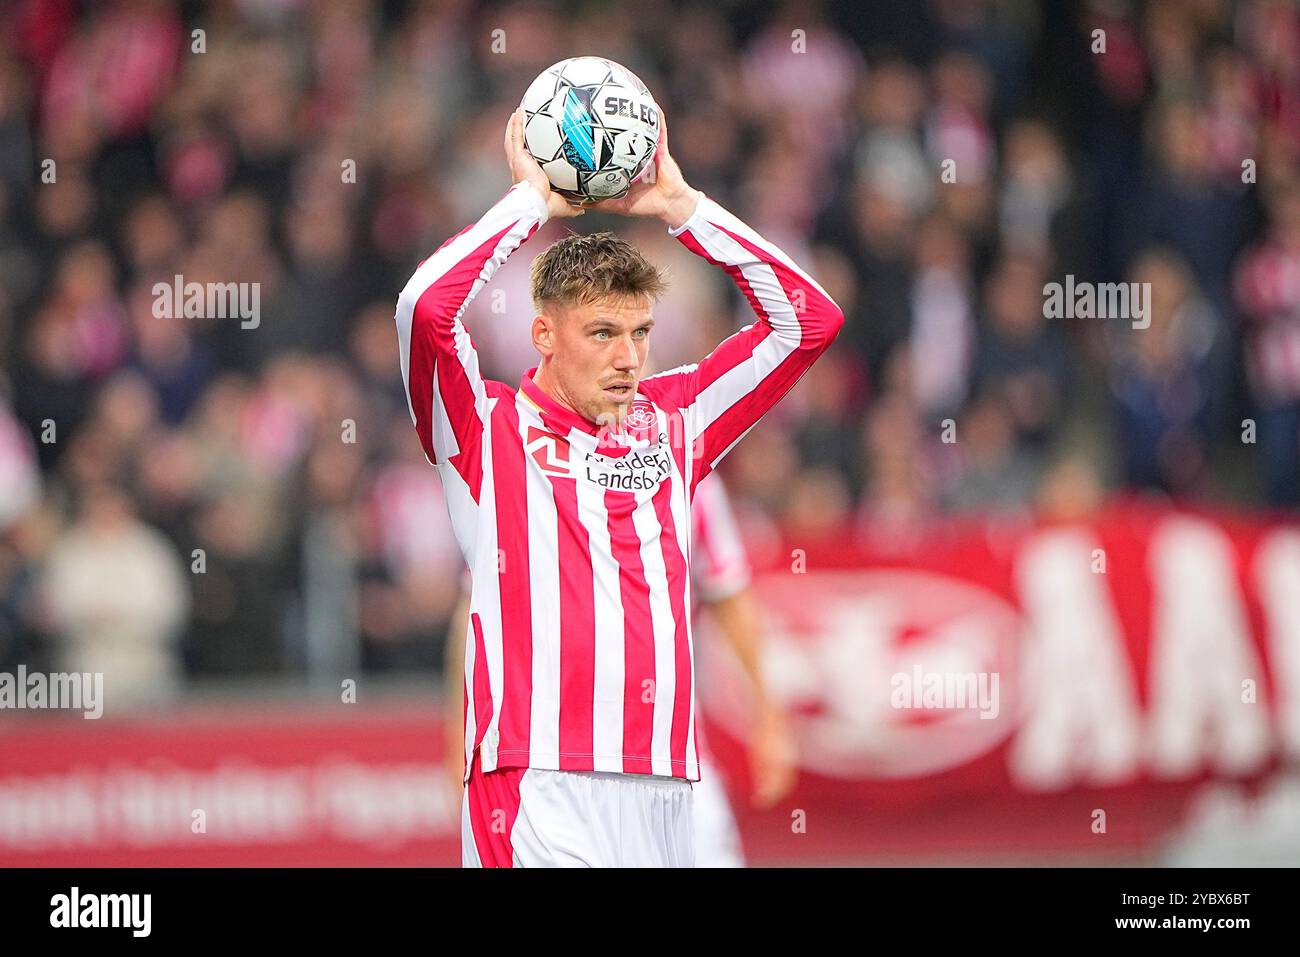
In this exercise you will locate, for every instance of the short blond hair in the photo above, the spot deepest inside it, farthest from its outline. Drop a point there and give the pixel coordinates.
(581, 269)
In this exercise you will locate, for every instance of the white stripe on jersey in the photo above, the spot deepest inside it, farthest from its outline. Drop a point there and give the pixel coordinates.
(664, 627)
(607, 599)
(485, 601)
(544, 582)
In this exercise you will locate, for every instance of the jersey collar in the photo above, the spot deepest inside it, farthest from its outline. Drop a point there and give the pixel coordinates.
(560, 419)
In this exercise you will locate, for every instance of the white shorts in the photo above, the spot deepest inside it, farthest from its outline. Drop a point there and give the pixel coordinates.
(530, 817)
(717, 839)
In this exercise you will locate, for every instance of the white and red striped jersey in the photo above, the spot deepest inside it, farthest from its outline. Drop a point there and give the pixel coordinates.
(719, 565)
(578, 538)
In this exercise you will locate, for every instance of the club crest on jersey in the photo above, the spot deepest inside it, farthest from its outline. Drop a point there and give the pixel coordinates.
(640, 419)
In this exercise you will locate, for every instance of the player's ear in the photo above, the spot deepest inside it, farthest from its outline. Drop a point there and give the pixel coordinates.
(544, 334)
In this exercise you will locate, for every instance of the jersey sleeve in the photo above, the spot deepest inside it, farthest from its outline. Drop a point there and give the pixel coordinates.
(445, 391)
(719, 566)
(724, 395)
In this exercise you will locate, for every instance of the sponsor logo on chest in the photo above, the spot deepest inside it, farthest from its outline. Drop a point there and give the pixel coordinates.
(636, 471)
(640, 467)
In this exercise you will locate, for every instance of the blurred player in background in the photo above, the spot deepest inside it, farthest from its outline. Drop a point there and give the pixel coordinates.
(721, 574)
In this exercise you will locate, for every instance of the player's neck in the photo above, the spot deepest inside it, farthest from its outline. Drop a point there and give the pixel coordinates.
(544, 381)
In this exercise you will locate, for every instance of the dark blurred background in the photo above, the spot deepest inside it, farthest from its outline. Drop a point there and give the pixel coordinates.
(128, 442)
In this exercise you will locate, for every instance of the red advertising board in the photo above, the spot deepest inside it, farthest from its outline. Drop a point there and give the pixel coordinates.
(1134, 659)
(352, 785)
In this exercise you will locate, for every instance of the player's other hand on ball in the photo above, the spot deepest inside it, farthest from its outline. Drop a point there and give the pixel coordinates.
(662, 194)
(524, 169)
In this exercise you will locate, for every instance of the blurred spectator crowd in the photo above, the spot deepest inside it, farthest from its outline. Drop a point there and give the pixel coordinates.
(195, 499)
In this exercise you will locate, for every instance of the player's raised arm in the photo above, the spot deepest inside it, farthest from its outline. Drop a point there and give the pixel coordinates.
(727, 392)
(444, 390)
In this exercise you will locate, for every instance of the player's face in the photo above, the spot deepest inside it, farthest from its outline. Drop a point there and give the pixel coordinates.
(597, 353)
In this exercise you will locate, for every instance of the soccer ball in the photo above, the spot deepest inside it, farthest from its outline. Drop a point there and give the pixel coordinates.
(592, 126)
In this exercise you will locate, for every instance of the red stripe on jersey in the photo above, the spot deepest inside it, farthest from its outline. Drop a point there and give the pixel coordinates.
(493, 800)
(577, 631)
(513, 574)
(671, 391)
(419, 382)
(639, 679)
(464, 720)
(677, 571)
(482, 684)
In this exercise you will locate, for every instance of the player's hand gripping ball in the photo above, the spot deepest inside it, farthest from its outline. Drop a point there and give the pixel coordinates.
(592, 126)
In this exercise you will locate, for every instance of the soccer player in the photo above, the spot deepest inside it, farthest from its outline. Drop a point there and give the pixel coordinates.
(721, 574)
(570, 498)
